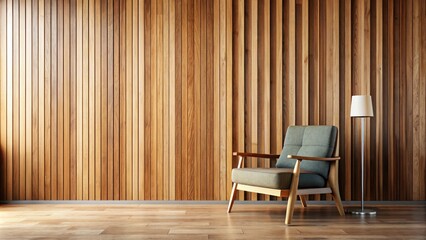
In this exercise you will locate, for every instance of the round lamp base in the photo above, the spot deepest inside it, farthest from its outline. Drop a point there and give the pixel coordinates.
(359, 211)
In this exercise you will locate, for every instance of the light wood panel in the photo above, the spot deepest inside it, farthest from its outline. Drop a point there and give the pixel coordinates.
(98, 110)
(116, 99)
(147, 99)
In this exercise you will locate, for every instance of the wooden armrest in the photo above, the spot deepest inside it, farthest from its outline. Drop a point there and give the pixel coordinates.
(313, 158)
(258, 155)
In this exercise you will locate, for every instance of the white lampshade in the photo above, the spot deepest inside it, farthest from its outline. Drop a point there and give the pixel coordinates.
(361, 106)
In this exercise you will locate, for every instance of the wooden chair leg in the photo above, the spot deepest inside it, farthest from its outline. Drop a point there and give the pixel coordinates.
(303, 201)
(333, 182)
(293, 193)
(232, 198)
(339, 205)
(290, 207)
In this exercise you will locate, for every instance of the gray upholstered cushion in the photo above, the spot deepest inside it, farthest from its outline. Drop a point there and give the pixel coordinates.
(277, 178)
(314, 141)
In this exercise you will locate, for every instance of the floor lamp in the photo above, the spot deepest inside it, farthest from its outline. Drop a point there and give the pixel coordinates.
(362, 107)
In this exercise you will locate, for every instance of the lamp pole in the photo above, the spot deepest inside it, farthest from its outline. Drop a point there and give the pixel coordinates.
(362, 162)
(362, 108)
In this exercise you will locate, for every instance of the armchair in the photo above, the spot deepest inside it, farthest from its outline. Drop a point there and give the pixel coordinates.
(305, 166)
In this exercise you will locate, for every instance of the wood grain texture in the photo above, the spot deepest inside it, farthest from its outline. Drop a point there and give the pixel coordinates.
(264, 86)
(60, 178)
(250, 103)
(208, 221)
(147, 99)
(97, 99)
(238, 79)
(66, 172)
(9, 107)
(3, 82)
(22, 100)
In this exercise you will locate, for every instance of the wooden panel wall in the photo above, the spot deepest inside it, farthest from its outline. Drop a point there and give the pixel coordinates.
(115, 100)
(320, 54)
(144, 99)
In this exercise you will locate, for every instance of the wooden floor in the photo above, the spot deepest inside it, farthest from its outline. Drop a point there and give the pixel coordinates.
(204, 221)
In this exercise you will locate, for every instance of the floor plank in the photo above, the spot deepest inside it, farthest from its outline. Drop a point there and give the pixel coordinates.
(204, 221)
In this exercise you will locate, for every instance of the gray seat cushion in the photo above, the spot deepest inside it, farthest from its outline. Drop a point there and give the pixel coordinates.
(313, 141)
(277, 178)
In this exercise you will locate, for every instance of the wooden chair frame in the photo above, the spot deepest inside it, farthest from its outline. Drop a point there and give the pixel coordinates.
(332, 183)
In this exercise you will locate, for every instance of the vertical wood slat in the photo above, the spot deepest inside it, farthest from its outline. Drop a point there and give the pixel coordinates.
(22, 100)
(184, 60)
(172, 98)
(397, 106)
(60, 164)
(202, 138)
(166, 102)
(222, 98)
(335, 69)
(422, 125)
(209, 99)
(407, 98)
(229, 108)
(314, 62)
(97, 96)
(348, 94)
(216, 102)
(416, 95)
(147, 100)
(54, 101)
(153, 109)
(187, 89)
(305, 62)
(66, 83)
(197, 99)
(238, 79)
(28, 99)
(91, 100)
(123, 177)
(47, 99)
(158, 80)
(116, 54)
(379, 97)
(129, 95)
(388, 73)
(82, 116)
(104, 100)
(141, 95)
(15, 99)
(276, 77)
(251, 79)
(110, 99)
(299, 94)
(264, 82)
(41, 101)
(85, 102)
(3, 103)
(135, 101)
(289, 75)
(9, 94)
(79, 98)
(34, 103)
